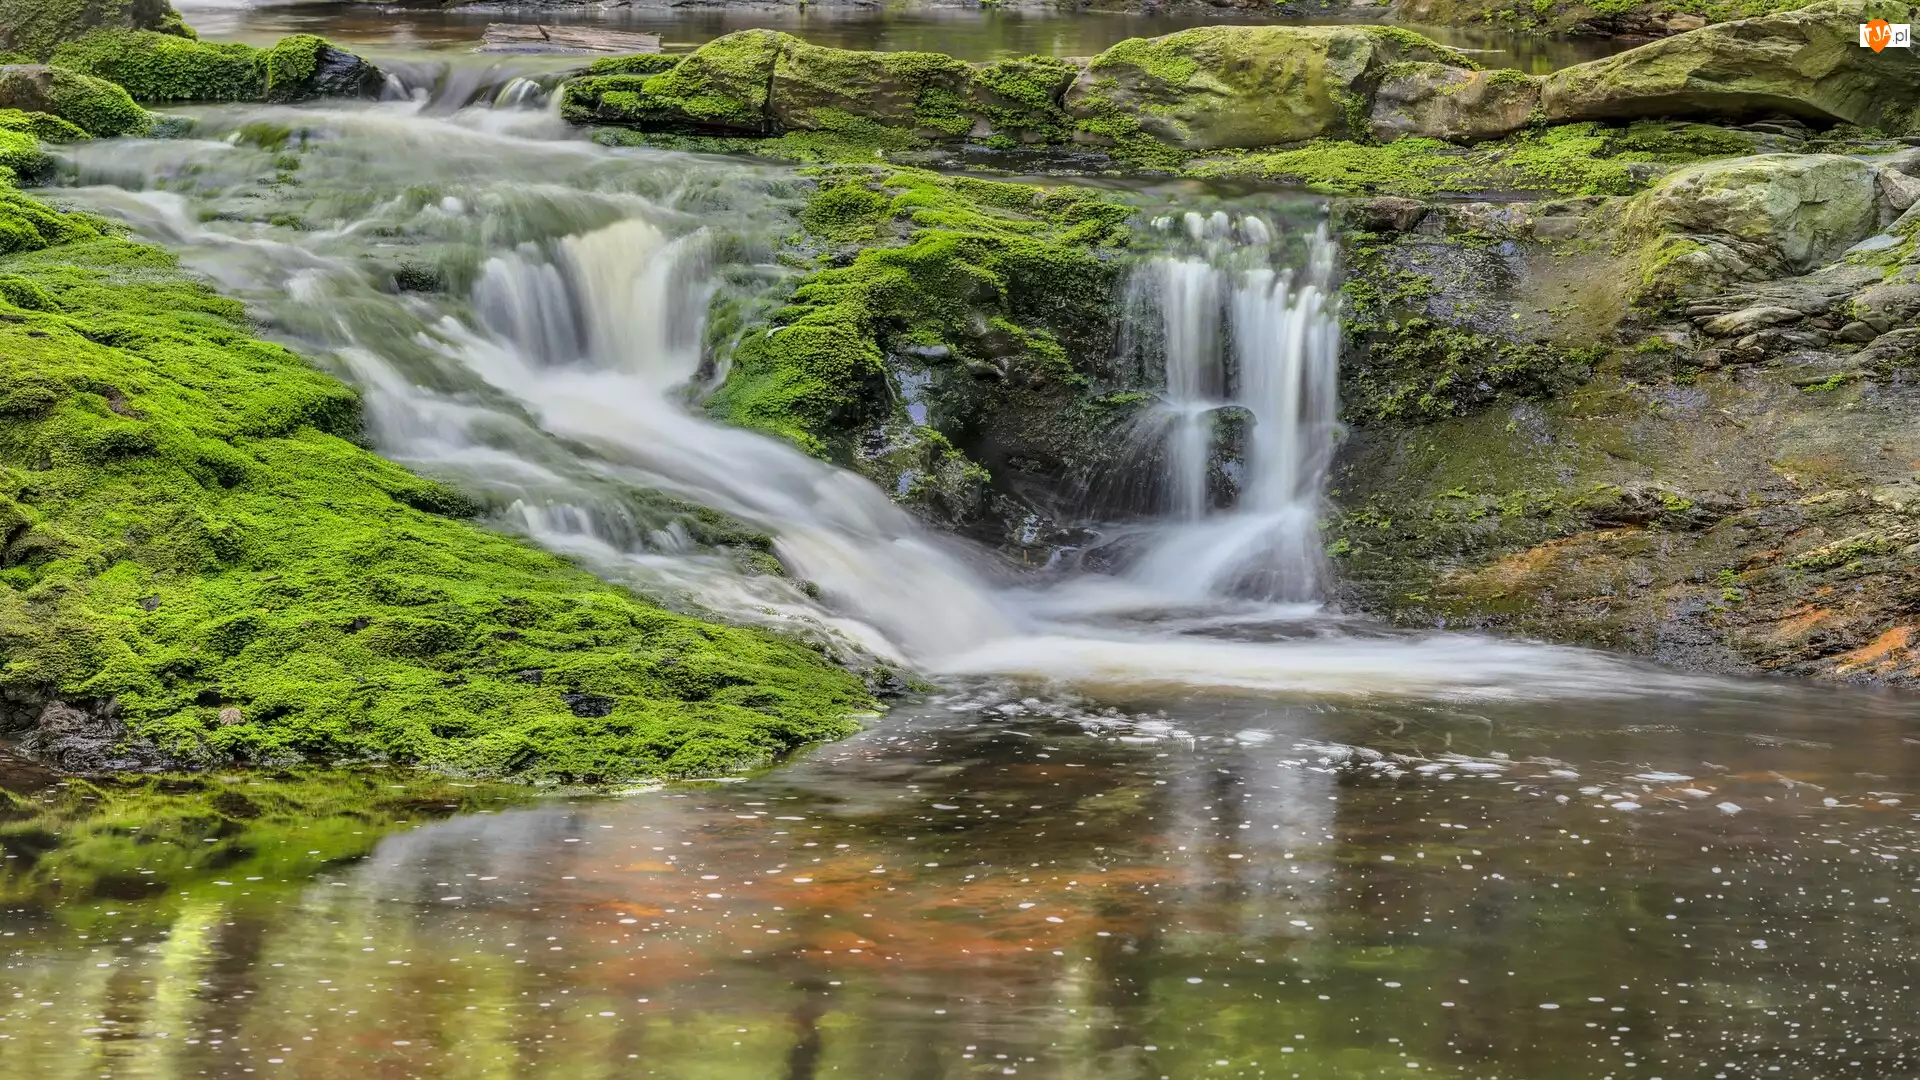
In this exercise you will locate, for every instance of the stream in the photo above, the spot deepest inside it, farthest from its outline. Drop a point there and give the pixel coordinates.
(1167, 820)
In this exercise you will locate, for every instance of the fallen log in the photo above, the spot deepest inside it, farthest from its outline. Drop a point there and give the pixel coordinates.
(534, 38)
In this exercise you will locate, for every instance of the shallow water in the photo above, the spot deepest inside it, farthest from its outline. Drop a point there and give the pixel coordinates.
(1708, 886)
(966, 34)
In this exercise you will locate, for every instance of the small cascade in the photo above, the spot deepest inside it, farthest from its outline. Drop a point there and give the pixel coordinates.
(1250, 345)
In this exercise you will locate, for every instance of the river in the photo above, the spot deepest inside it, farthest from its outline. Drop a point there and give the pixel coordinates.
(1168, 822)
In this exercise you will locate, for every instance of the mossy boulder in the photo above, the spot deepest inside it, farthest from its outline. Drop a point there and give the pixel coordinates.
(816, 88)
(1244, 86)
(760, 82)
(1806, 63)
(945, 342)
(95, 106)
(720, 87)
(161, 68)
(1749, 218)
(1440, 101)
(33, 28)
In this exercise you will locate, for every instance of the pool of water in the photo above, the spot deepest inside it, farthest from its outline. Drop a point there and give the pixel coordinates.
(967, 34)
(1717, 884)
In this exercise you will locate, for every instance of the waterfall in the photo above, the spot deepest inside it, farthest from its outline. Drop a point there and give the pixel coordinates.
(1250, 345)
(550, 375)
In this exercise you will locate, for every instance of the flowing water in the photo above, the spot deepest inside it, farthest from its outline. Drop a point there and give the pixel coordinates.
(1163, 821)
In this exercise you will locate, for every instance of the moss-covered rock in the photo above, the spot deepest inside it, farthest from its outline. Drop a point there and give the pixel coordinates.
(1806, 62)
(1244, 86)
(950, 355)
(1749, 218)
(33, 28)
(193, 546)
(763, 83)
(96, 106)
(1439, 101)
(162, 68)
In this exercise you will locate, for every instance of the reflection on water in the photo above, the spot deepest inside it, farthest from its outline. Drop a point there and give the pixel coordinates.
(982, 887)
(967, 34)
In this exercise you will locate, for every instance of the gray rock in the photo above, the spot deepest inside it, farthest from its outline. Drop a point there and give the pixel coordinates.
(1747, 320)
(1439, 101)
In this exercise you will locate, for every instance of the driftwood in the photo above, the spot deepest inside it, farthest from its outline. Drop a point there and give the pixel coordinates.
(534, 38)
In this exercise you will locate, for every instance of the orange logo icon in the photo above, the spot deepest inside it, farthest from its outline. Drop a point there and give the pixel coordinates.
(1877, 34)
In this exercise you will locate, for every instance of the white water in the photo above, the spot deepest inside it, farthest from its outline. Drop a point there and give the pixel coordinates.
(558, 388)
(1231, 318)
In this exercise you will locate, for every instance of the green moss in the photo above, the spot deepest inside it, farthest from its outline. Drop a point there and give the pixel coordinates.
(1571, 159)
(193, 528)
(161, 68)
(1409, 166)
(96, 106)
(31, 29)
(1405, 366)
(995, 272)
(638, 64)
(721, 85)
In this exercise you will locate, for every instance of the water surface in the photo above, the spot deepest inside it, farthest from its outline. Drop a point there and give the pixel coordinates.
(1711, 886)
(974, 34)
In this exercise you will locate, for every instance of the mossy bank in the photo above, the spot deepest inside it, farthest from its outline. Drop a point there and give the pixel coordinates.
(202, 565)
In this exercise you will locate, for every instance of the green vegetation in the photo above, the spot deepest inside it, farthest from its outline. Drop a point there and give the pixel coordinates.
(990, 273)
(188, 527)
(1571, 159)
(30, 29)
(1408, 366)
(160, 68)
(21, 134)
(96, 106)
(637, 64)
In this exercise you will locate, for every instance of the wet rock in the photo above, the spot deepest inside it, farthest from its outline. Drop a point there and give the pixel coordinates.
(96, 106)
(1856, 333)
(1899, 190)
(1385, 214)
(1805, 63)
(1440, 101)
(1747, 320)
(588, 705)
(1225, 86)
(1718, 221)
(335, 72)
(89, 739)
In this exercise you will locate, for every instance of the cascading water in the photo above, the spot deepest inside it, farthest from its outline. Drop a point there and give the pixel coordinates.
(1251, 352)
(550, 374)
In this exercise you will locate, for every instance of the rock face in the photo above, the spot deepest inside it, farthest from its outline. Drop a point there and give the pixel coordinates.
(1245, 86)
(1807, 63)
(34, 27)
(1728, 483)
(1438, 101)
(96, 106)
(1710, 224)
